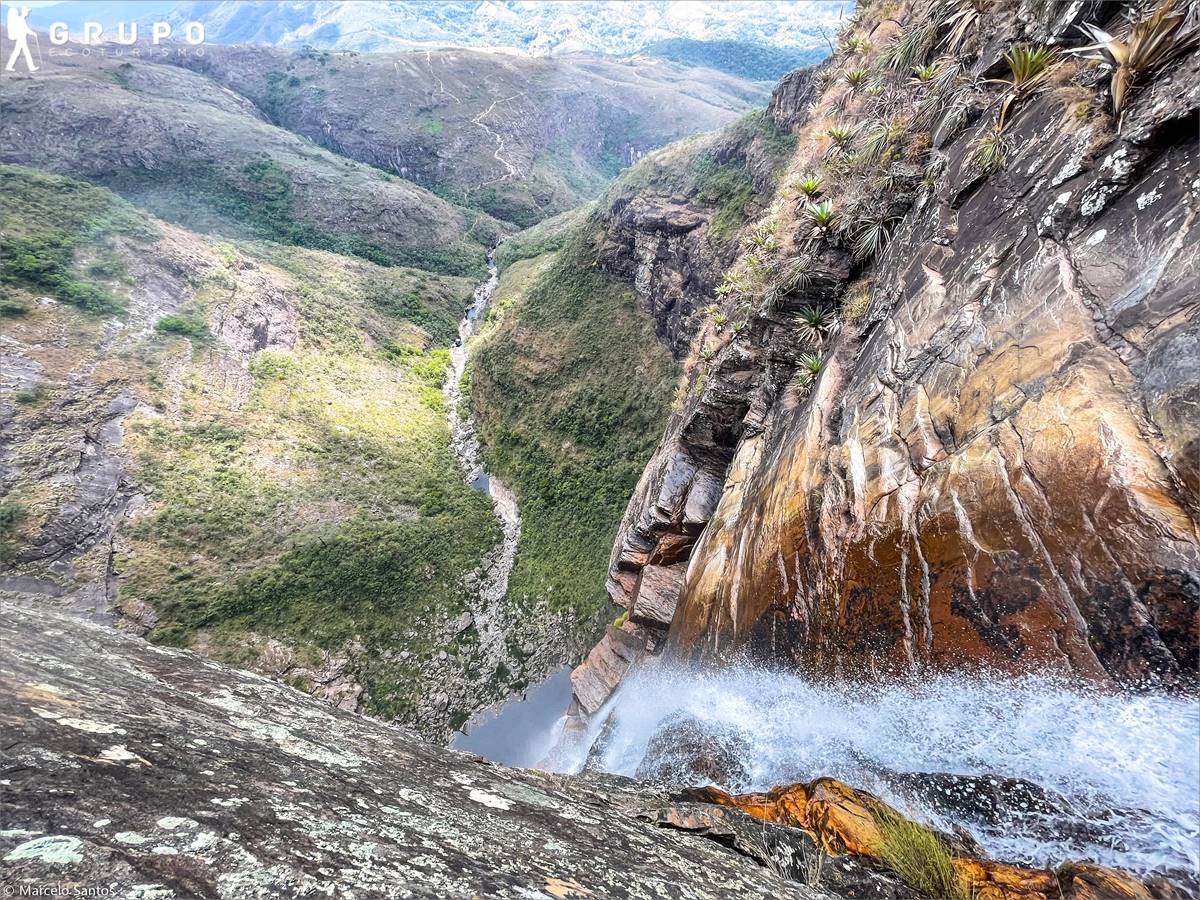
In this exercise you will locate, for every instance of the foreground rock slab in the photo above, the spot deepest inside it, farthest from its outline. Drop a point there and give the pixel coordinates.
(156, 773)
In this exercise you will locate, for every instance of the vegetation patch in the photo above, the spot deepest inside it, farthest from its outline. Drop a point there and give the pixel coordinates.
(547, 236)
(257, 203)
(919, 856)
(745, 59)
(44, 222)
(714, 170)
(570, 389)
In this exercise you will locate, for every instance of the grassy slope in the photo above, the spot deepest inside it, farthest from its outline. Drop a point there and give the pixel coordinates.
(44, 222)
(570, 389)
(711, 171)
(742, 58)
(322, 506)
(187, 149)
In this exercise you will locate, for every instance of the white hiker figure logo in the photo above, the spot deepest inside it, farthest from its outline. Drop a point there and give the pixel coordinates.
(19, 32)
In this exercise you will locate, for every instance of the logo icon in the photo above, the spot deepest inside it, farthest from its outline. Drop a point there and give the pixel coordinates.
(19, 33)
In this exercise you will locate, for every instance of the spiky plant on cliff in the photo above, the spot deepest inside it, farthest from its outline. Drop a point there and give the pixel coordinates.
(961, 17)
(989, 152)
(822, 216)
(809, 186)
(925, 74)
(855, 44)
(797, 274)
(815, 323)
(855, 306)
(764, 237)
(870, 237)
(1031, 67)
(878, 139)
(840, 137)
(1153, 41)
(857, 77)
(810, 368)
(909, 46)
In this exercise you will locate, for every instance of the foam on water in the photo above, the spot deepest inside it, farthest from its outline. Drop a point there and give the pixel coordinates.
(1138, 755)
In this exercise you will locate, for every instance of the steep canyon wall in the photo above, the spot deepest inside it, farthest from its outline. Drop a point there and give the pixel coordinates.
(994, 462)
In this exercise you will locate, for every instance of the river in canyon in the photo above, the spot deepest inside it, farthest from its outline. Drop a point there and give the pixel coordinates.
(488, 584)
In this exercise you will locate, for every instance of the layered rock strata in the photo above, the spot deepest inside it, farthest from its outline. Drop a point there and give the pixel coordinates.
(997, 464)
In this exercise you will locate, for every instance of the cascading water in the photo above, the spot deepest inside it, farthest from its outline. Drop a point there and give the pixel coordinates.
(1127, 765)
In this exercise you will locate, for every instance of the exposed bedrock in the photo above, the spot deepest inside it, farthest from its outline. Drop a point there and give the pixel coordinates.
(1004, 472)
(151, 772)
(998, 466)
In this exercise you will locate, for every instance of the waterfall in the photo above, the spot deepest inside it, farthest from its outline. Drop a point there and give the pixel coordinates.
(1128, 765)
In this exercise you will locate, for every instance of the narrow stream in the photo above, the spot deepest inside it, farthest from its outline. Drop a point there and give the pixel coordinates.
(520, 732)
(490, 579)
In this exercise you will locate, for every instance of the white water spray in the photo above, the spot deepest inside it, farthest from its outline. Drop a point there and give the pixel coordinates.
(1132, 760)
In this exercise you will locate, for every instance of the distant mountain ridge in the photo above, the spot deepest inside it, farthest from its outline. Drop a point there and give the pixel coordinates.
(760, 62)
(617, 27)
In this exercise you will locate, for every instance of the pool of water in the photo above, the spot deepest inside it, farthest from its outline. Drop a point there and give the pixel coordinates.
(521, 732)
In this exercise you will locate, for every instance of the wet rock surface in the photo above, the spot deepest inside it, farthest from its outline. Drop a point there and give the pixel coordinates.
(687, 751)
(845, 820)
(998, 472)
(997, 464)
(157, 773)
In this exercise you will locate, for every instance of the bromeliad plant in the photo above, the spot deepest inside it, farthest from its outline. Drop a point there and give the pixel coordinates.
(854, 44)
(840, 137)
(870, 237)
(1153, 41)
(989, 153)
(925, 74)
(797, 274)
(1031, 67)
(856, 78)
(909, 46)
(809, 186)
(961, 17)
(815, 323)
(810, 368)
(821, 215)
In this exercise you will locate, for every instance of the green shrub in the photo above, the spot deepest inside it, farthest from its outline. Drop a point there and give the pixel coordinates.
(918, 856)
(183, 326)
(44, 220)
(12, 517)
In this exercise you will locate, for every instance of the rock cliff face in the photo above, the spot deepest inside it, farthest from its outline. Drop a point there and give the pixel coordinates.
(994, 463)
(153, 773)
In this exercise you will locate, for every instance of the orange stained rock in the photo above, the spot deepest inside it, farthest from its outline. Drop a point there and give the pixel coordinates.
(1000, 881)
(832, 813)
(1085, 881)
(843, 819)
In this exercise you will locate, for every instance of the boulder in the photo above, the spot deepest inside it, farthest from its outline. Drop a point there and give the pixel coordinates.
(685, 750)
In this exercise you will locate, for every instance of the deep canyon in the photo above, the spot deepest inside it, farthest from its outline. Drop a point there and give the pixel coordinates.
(845, 449)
